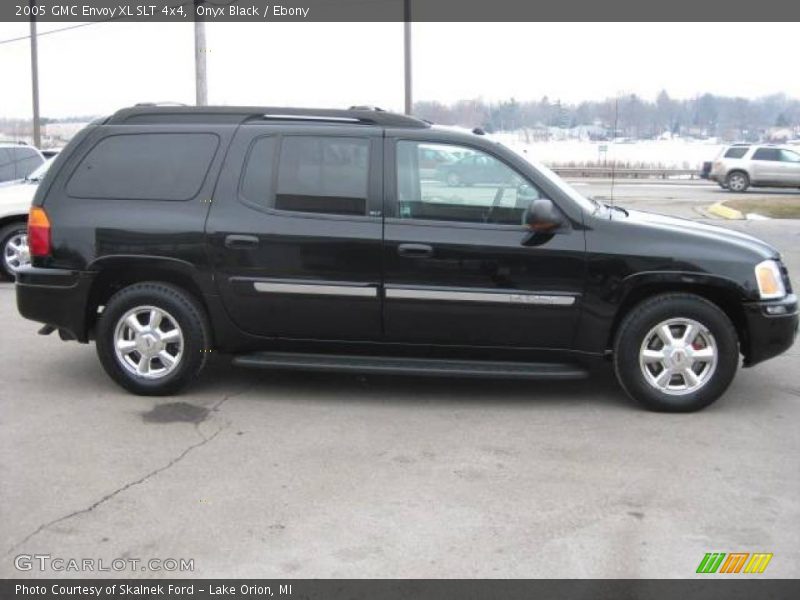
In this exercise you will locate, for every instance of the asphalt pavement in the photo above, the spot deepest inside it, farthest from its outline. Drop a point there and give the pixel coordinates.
(284, 475)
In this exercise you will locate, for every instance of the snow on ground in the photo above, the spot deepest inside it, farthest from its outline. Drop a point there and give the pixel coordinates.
(667, 154)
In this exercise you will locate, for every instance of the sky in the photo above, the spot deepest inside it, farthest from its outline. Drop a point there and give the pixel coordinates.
(96, 69)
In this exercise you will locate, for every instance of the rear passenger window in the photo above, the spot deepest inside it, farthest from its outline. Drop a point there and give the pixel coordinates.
(737, 152)
(145, 166)
(767, 154)
(323, 175)
(6, 165)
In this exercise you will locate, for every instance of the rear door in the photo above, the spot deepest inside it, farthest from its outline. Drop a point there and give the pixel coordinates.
(766, 165)
(295, 231)
(461, 269)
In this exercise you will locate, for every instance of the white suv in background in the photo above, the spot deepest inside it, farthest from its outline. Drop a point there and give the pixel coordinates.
(741, 166)
(15, 202)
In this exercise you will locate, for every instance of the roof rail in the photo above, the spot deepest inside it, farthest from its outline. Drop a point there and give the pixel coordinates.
(150, 113)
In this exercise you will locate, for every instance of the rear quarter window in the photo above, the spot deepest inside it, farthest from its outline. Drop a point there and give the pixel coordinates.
(737, 152)
(145, 166)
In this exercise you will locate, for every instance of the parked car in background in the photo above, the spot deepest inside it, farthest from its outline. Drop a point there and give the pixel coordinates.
(15, 202)
(473, 169)
(17, 161)
(741, 166)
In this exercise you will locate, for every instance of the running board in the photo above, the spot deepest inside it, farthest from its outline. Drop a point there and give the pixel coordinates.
(391, 365)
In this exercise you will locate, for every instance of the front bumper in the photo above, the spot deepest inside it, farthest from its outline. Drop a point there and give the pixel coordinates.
(57, 297)
(771, 328)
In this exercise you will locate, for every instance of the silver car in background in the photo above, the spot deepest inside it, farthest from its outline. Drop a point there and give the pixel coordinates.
(763, 165)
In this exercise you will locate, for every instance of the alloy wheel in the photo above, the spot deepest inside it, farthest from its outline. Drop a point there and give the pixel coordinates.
(678, 356)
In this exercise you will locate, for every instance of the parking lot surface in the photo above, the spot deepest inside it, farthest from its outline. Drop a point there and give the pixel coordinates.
(265, 474)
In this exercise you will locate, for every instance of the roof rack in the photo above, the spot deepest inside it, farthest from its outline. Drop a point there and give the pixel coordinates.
(150, 113)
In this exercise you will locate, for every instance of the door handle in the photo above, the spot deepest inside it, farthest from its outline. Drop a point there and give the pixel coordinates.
(415, 250)
(241, 241)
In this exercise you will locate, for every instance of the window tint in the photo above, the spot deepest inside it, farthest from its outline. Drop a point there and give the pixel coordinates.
(256, 183)
(736, 152)
(27, 161)
(476, 188)
(323, 175)
(790, 156)
(145, 166)
(767, 154)
(6, 165)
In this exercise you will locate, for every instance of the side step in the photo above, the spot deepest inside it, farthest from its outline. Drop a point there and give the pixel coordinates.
(388, 365)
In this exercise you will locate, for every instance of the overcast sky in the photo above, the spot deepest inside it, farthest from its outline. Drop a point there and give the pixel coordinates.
(99, 68)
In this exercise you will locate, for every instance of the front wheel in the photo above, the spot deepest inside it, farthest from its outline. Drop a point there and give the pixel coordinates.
(153, 338)
(676, 353)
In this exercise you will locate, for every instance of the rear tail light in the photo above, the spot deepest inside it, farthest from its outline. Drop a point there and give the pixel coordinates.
(39, 232)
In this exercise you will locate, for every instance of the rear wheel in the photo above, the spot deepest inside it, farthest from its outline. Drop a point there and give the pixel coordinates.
(14, 246)
(676, 353)
(152, 338)
(738, 181)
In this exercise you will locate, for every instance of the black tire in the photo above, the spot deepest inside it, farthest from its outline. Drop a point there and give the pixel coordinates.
(635, 328)
(180, 306)
(737, 181)
(7, 233)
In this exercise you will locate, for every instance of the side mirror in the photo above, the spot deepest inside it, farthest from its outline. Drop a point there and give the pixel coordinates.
(543, 217)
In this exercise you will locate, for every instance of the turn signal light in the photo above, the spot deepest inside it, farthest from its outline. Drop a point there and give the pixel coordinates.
(768, 277)
(39, 241)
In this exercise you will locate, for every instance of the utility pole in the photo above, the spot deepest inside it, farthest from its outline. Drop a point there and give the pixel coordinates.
(409, 104)
(37, 132)
(201, 86)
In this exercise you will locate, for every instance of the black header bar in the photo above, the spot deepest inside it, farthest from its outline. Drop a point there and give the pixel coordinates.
(265, 11)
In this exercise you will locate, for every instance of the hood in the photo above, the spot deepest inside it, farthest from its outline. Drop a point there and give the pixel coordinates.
(709, 233)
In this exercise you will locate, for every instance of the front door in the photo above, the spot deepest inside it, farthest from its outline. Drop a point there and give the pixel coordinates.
(294, 231)
(790, 168)
(459, 266)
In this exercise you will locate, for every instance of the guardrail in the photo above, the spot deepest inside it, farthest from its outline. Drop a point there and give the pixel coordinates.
(622, 172)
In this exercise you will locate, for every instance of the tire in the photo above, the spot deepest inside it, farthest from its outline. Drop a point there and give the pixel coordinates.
(737, 181)
(712, 354)
(13, 249)
(453, 180)
(140, 366)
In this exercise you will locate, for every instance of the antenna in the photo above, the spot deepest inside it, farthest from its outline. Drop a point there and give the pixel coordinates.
(614, 158)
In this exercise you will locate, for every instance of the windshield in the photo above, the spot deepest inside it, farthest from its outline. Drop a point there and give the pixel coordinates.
(588, 204)
(40, 171)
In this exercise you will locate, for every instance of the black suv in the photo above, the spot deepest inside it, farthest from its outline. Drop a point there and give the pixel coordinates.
(312, 239)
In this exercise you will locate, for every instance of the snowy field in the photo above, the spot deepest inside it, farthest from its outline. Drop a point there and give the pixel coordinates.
(664, 154)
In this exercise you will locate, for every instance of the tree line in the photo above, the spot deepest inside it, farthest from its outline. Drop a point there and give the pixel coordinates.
(630, 115)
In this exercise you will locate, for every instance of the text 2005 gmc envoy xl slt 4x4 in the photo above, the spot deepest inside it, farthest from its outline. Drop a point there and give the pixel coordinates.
(365, 241)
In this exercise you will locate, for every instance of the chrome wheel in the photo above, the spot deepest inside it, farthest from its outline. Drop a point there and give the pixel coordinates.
(737, 182)
(678, 356)
(148, 342)
(16, 253)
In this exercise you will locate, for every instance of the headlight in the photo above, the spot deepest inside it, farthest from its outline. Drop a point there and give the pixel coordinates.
(770, 282)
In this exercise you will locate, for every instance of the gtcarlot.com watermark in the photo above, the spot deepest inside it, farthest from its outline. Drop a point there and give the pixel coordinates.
(59, 564)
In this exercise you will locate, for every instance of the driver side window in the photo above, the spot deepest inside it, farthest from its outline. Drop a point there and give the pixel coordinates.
(444, 182)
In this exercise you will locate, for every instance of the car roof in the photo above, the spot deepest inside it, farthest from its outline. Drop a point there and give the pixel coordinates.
(357, 115)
